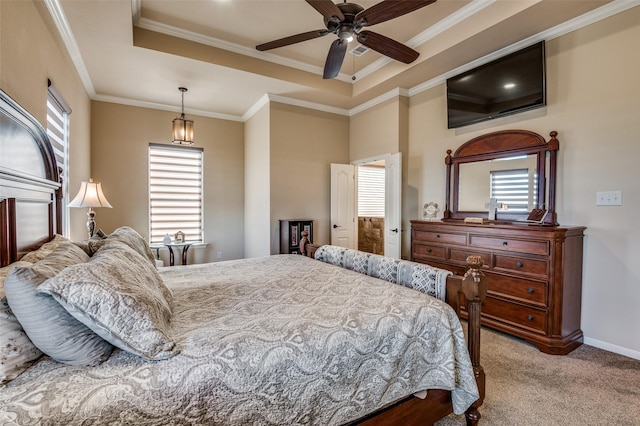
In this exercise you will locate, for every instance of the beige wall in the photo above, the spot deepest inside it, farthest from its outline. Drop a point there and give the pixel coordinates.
(119, 159)
(376, 131)
(31, 51)
(593, 103)
(257, 166)
(304, 143)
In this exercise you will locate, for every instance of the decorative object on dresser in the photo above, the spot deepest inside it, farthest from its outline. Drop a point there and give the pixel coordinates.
(534, 269)
(430, 211)
(291, 233)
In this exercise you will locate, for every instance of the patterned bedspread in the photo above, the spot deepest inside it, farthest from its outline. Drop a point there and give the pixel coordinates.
(280, 340)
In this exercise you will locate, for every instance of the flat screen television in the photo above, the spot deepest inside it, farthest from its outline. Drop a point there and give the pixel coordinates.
(504, 86)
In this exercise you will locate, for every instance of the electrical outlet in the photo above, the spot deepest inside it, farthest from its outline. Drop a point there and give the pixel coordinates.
(219, 255)
(609, 198)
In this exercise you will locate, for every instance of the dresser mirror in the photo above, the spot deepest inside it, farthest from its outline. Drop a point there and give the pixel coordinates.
(515, 169)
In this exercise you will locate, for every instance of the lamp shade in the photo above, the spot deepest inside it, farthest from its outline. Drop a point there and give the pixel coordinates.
(90, 195)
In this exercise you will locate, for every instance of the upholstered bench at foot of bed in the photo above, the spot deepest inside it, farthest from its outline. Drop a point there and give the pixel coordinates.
(417, 276)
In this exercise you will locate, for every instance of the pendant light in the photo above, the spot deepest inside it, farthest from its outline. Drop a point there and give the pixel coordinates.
(182, 128)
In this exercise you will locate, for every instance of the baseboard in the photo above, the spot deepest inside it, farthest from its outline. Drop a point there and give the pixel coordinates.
(612, 348)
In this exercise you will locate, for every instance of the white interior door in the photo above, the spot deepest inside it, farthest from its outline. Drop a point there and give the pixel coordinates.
(344, 225)
(393, 206)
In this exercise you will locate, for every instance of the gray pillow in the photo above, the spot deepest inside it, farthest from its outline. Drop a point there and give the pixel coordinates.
(47, 324)
(120, 296)
(126, 235)
(17, 352)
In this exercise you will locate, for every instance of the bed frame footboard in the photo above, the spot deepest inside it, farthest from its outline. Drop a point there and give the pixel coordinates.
(469, 291)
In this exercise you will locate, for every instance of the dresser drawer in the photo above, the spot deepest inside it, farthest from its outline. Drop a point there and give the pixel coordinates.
(516, 314)
(440, 237)
(460, 257)
(521, 265)
(527, 291)
(430, 251)
(514, 245)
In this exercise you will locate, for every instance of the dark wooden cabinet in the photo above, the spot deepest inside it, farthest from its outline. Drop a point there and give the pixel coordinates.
(290, 234)
(534, 275)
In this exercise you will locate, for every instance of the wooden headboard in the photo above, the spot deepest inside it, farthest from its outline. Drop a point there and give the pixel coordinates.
(30, 189)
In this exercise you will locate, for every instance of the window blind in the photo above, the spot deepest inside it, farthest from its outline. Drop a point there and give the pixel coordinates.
(175, 192)
(371, 191)
(511, 187)
(58, 132)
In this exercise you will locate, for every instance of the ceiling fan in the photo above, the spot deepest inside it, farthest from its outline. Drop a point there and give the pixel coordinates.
(347, 20)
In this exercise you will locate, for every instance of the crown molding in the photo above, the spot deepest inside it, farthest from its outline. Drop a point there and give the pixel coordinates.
(610, 9)
(431, 32)
(264, 100)
(61, 23)
(164, 107)
(603, 12)
(161, 28)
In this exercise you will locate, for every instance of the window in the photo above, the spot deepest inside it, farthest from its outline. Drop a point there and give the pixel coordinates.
(371, 193)
(511, 187)
(175, 192)
(58, 132)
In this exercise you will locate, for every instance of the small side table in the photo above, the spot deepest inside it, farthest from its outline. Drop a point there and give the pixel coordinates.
(185, 248)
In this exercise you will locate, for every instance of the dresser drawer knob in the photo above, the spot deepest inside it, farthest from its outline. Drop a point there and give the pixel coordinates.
(531, 290)
(437, 235)
(519, 264)
(530, 317)
(504, 243)
(428, 250)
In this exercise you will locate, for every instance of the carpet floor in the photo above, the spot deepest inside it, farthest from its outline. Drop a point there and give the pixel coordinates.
(589, 386)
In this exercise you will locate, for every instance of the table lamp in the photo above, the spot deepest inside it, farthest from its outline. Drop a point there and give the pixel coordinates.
(90, 195)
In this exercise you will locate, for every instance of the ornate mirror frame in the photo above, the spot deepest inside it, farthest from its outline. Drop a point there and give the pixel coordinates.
(501, 145)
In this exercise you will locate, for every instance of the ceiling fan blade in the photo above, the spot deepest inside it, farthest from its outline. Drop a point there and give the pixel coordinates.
(389, 9)
(388, 47)
(327, 8)
(335, 58)
(286, 41)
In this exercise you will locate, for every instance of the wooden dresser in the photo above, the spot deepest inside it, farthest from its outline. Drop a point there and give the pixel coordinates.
(534, 275)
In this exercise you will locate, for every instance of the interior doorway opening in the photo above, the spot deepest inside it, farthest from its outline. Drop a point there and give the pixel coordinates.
(371, 183)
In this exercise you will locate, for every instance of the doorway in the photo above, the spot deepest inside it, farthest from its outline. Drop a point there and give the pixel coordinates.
(371, 206)
(344, 208)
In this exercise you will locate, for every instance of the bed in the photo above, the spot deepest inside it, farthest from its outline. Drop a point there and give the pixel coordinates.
(278, 340)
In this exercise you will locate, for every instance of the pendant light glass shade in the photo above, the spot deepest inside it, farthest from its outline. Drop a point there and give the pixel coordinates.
(182, 128)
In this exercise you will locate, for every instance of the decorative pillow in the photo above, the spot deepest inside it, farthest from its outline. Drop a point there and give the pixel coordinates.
(128, 236)
(44, 249)
(17, 352)
(84, 244)
(121, 297)
(49, 326)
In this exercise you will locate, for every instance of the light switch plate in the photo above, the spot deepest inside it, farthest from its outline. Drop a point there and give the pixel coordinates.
(609, 198)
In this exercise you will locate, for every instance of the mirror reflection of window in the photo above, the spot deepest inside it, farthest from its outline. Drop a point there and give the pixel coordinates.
(511, 189)
(475, 183)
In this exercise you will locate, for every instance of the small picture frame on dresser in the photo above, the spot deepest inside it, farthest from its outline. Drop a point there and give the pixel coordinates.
(178, 238)
(537, 215)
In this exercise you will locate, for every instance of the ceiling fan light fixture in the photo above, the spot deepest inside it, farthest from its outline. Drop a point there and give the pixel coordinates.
(182, 129)
(346, 20)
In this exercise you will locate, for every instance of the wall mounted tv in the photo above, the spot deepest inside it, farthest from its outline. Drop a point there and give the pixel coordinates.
(504, 86)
